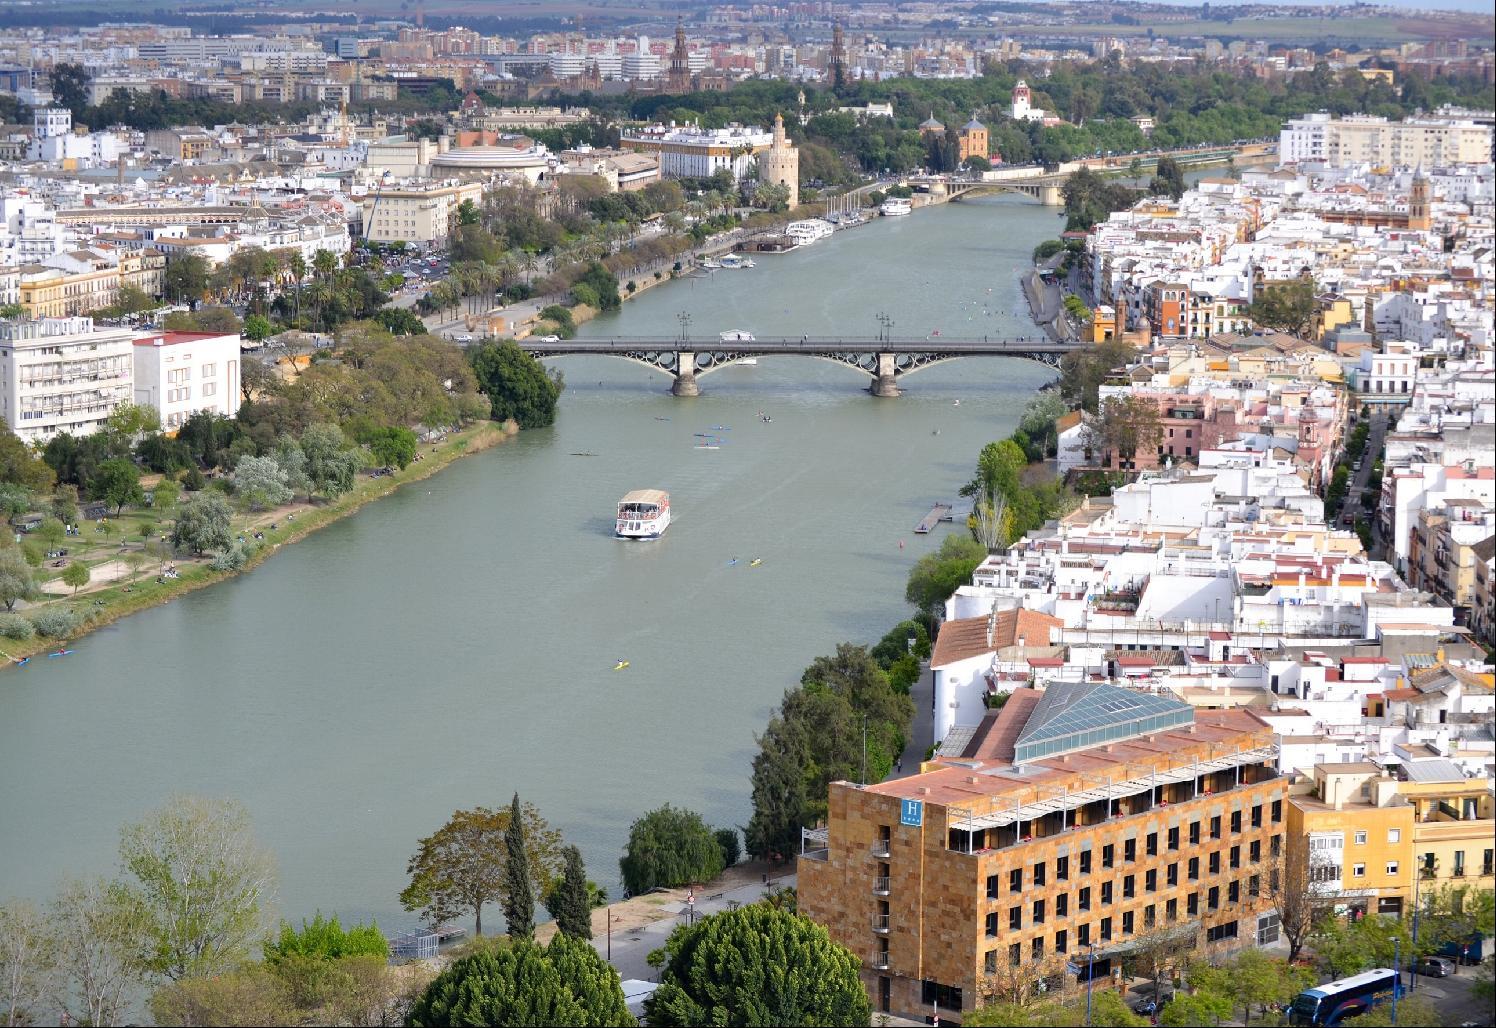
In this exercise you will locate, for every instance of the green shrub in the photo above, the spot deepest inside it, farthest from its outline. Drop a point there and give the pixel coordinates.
(232, 559)
(730, 845)
(56, 622)
(14, 626)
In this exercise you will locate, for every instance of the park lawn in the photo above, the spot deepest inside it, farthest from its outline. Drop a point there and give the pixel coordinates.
(105, 603)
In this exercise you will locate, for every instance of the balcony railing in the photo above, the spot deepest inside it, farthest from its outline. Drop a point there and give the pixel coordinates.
(880, 848)
(880, 923)
(880, 961)
(880, 885)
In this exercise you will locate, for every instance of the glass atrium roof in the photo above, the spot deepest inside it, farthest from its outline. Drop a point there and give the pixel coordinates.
(1073, 716)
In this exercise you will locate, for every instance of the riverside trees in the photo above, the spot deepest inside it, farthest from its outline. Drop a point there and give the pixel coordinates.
(517, 385)
(670, 847)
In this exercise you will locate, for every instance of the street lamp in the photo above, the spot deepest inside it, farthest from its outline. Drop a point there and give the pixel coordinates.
(884, 333)
(1090, 977)
(685, 325)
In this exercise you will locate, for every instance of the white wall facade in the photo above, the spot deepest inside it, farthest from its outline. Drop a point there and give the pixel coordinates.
(181, 373)
(62, 375)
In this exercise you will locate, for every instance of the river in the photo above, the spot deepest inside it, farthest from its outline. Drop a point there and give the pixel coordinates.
(455, 642)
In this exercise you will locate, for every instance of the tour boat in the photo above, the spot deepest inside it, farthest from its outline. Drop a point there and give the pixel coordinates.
(895, 206)
(710, 263)
(643, 514)
(803, 233)
(732, 260)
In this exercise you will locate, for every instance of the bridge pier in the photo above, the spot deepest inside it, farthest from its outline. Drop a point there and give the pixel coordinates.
(885, 384)
(685, 374)
(1051, 196)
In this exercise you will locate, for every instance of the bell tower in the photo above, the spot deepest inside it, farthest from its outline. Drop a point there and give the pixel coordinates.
(680, 62)
(1419, 217)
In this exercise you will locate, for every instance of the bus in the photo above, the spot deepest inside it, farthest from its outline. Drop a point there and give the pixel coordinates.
(1332, 1002)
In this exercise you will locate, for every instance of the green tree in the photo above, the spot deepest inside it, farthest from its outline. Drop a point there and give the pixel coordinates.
(460, 867)
(400, 321)
(200, 879)
(27, 959)
(330, 465)
(70, 87)
(186, 277)
(1453, 914)
(1168, 179)
(258, 328)
(519, 888)
(76, 575)
(20, 465)
(1125, 427)
(393, 446)
(757, 966)
(730, 845)
(669, 847)
(568, 901)
(524, 984)
(16, 582)
(164, 497)
(261, 482)
(203, 524)
(1286, 306)
(1083, 371)
(250, 995)
(117, 483)
(15, 500)
(1412, 1009)
(1346, 948)
(935, 576)
(325, 939)
(517, 385)
(98, 930)
(130, 421)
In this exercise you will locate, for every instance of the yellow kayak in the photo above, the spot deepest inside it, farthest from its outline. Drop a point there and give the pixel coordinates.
(621, 665)
(756, 562)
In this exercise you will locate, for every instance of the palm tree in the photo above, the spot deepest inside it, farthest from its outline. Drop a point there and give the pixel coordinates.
(296, 264)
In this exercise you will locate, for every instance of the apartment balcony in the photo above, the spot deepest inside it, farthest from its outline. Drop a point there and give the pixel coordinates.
(880, 849)
(881, 885)
(880, 924)
(880, 962)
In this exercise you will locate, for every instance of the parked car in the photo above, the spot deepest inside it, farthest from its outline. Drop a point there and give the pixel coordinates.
(1436, 967)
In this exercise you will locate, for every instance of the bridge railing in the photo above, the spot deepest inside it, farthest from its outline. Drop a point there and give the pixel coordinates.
(806, 343)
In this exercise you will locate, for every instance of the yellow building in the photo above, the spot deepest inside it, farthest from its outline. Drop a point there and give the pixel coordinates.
(1103, 323)
(1359, 835)
(1454, 825)
(415, 214)
(973, 139)
(55, 293)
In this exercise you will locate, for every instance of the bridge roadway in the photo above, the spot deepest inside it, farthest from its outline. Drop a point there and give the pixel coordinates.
(884, 360)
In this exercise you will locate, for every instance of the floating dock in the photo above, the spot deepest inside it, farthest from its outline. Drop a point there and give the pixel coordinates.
(938, 513)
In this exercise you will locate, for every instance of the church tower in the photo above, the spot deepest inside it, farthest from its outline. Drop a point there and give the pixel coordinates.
(838, 57)
(781, 163)
(679, 80)
(1419, 217)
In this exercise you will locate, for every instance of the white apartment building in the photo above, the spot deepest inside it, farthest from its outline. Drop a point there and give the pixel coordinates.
(416, 214)
(1386, 377)
(181, 373)
(62, 375)
(1362, 139)
(690, 151)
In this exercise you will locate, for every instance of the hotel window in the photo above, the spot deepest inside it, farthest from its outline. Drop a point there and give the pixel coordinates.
(1150, 880)
(1236, 821)
(992, 925)
(1015, 880)
(1060, 941)
(1108, 855)
(1085, 862)
(1171, 875)
(1015, 918)
(1213, 898)
(1215, 862)
(1130, 850)
(1360, 838)
(1036, 948)
(1015, 954)
(1194, 833)
(1152, 847)
(1254, 851)
(1277, 811)
(1083, 935)
(1083, 899)
(1127, 922)
(1106, 929)
(1215, 827)
(1275, 846)
(1171, 910)
(1192, 904)
(1129, 887)
(1039, 873)
(1106, 893)
(1358, 870)
(1194, 869)
(1233, 892)
(1394, 835)
(1257, 812)
(1062, 868)
(1174, 838)
(1038, 912)
(1062, 904)
(992, 887)
(1235, 857)
(989, 962)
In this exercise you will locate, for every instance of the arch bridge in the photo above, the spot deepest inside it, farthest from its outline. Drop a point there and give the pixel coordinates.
(884, 360)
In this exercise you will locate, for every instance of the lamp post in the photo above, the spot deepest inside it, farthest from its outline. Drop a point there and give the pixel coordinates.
(886, 324)
(1396, 975)
(610, 933)
(685, 325)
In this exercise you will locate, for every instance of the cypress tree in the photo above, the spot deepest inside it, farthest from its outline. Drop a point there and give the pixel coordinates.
(519, 895)
(568, 902)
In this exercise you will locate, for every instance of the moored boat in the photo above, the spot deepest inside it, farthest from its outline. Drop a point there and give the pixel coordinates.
(643, 514)
(895, 206)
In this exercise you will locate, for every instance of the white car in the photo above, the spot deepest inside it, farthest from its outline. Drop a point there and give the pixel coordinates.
(550, 339)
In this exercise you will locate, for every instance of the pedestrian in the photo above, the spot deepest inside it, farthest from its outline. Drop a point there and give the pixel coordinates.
(898, 765)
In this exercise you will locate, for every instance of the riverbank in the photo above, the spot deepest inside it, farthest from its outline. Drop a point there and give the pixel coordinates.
(279, 527)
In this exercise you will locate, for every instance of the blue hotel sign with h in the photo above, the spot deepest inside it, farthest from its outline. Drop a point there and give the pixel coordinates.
(911, 812)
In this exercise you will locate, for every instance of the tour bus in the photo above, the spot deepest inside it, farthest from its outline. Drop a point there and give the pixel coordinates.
(1332, 1002)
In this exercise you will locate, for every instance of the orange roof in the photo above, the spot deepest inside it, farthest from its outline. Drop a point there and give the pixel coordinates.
(969, 637)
